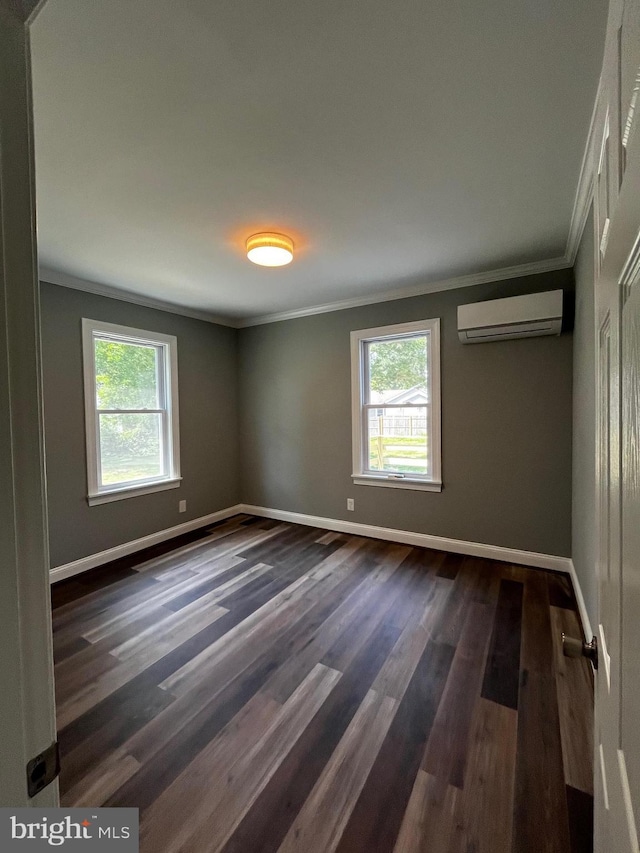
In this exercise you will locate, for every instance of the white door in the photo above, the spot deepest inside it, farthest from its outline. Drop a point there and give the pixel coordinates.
(616, 162)
(27, 711)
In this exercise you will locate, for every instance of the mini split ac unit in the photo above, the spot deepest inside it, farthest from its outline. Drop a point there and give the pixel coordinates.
(514, 317)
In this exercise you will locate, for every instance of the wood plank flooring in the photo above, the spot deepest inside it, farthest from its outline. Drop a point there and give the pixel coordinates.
(259, 686)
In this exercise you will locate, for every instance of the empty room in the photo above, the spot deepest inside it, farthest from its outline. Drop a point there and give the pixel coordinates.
(320, 426)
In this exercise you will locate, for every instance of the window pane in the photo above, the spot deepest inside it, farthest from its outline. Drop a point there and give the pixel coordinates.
(397, 440)
(130, 448)
(126, 375)
(397, 371)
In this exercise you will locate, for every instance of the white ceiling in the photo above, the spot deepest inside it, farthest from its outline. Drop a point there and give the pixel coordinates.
(397, 141)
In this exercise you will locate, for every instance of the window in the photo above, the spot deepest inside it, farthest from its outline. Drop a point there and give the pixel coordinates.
(395, 373)
(131, 410)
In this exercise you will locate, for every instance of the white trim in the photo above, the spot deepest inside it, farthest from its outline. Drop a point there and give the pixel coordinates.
(362, 475)
(582, 607)
(27, 704)
(584, 190)
(604, 656)
(603, 776)
(549, 562)
(168, 393)
(62, 279)
(85, 563)
(421, 540)
(501, 274)
(133, 492)
(392, 482)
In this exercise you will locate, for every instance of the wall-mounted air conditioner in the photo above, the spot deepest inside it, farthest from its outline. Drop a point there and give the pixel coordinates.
(514, 317)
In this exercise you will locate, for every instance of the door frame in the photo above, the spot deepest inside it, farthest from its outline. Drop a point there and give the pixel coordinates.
(27, 701)
(601, 181)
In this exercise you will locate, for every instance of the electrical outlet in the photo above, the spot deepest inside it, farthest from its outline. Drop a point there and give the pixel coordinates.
(351, 504)
(182, 506)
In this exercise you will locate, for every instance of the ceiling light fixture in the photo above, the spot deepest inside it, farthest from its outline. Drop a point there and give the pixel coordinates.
(270, 250)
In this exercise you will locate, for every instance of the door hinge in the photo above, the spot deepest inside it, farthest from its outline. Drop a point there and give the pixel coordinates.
(43, 769)
(572, 648)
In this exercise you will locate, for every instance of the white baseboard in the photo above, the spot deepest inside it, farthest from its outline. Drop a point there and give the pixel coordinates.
(582, 607)
(407, 537)
(69, 569)
(422, 540)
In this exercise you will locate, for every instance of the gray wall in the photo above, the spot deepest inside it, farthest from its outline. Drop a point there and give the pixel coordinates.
(207, 360)
(584, 425)
(506, 412)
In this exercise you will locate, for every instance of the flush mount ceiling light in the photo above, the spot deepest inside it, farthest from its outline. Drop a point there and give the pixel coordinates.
(270, 250)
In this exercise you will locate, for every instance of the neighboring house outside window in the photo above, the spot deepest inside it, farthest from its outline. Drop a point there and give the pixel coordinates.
(396, 406)
(131, 411)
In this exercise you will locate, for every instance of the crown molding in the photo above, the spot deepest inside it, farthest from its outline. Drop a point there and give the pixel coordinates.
(501, 274)
(580, 212)
(584, 190)
(65, 280)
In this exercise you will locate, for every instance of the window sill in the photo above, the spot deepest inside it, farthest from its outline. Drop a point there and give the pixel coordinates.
(133, 491)
(391, 483)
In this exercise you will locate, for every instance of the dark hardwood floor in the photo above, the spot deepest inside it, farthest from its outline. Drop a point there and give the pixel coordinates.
(270, 687)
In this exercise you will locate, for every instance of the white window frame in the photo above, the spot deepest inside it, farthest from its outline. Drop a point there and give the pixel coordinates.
(361, 474)
(97, 493)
